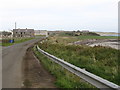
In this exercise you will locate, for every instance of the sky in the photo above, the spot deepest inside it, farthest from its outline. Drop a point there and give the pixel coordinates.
(93, 15)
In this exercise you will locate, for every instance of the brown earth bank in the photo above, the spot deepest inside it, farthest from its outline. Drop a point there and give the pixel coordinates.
(34, 74)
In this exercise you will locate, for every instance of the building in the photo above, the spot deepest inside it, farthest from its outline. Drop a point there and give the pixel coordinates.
(41, 32)
(85, 31)
(23, 32)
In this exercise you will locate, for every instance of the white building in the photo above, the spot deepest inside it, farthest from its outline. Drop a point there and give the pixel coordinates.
(41, 32)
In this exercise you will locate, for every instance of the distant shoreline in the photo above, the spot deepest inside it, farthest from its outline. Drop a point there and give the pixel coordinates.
(108, 33)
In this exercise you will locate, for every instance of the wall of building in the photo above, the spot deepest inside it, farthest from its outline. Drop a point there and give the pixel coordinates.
(41, 32)
(23, 32)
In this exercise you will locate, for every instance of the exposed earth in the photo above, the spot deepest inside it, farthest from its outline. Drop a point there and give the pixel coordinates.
(35, 75)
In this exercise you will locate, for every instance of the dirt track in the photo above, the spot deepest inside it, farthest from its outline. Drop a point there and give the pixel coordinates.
(35, 76)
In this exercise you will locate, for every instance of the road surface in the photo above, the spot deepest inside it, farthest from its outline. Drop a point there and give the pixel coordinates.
(12, 57)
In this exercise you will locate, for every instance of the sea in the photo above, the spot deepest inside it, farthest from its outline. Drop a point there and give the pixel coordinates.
(114, 35)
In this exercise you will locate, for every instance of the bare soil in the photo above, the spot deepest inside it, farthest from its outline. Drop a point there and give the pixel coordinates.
(34, 74)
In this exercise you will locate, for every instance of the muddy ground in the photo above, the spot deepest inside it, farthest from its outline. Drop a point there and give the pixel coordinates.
(113, 43)
(34, 74)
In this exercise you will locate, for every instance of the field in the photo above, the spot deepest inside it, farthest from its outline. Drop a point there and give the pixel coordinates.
(99, 60)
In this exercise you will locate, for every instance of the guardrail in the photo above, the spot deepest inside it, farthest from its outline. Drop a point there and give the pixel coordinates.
(87, 76)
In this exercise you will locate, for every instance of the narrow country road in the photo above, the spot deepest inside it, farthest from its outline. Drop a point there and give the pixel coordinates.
(12, 57)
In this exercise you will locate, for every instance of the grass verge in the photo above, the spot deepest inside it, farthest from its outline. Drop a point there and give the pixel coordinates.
(16, 40)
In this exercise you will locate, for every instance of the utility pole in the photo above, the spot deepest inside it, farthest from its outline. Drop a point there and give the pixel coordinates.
(15, 25)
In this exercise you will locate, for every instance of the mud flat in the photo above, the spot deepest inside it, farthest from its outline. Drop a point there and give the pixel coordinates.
(113, 43)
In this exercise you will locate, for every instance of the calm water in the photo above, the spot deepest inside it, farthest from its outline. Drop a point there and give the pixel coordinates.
(114, 35)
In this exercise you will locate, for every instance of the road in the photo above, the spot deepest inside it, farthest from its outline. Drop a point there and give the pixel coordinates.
(12, 58)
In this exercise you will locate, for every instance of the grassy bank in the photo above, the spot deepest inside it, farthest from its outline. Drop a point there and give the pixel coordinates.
(16, 40)
(64, 79)
(97, 37)
(101, 61)
(70, 39)
(86, 36)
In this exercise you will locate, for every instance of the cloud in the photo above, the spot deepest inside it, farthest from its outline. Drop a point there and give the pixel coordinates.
(50, 3)
(65, 14)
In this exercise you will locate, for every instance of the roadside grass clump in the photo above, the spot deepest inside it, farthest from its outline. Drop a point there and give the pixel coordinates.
(64, 79)
(19, 40)
(102, 61)
(5, 42)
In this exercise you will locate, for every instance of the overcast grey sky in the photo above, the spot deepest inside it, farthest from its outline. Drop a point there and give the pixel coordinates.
(94, 15)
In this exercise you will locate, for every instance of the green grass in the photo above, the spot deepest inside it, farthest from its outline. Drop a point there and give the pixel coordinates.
(7, 44)
(97, 37)
(70, 39)
(22, 40)
(16, 40)
(64, 79)
(99, 60)
(62, 40)
(63, 34)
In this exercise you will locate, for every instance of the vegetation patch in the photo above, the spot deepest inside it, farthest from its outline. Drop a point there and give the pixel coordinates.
(65, 40)
(97, 37)
(79, 33)
(98, 60)
(6, 42)
(64, 79)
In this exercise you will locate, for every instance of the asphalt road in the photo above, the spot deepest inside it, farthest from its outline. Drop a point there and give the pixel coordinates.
(12, 58)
